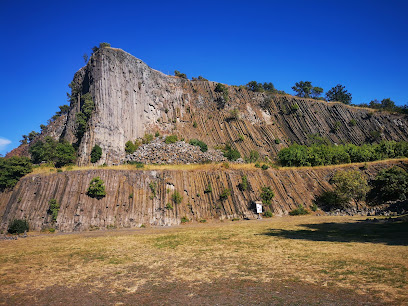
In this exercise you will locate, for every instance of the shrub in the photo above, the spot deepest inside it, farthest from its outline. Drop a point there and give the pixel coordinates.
(96, 153)
(243, 186)
(391, 184)
(253, 157)
(266, 195)
(104, 45)
(277, 141)
(208, 189)
(53, 209)
(131, 195)
(257, 165)
(268, 214)
(176, 197)
(171, 139)
(222, 89)
(234, 114)
(265, 167)
(195, 124)
(96, 188)
(147, 138)
(169, 206)
(131, 147)
(353, 122)
(12, 169)
(157, 134)
(184, 220)
(18, 226)
(299, 211)
(294, 107)
(225, 194)
(230, 153)
(203, 146)
(314, 207)
(350, 184)
(179, 74)
(153, 188)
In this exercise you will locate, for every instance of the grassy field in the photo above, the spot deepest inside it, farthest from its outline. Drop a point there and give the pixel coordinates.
(288, 260)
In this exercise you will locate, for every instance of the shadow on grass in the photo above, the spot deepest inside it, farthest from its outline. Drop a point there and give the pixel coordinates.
(391, 232)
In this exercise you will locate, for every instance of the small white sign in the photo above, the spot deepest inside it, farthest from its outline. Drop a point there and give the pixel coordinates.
(258, 208)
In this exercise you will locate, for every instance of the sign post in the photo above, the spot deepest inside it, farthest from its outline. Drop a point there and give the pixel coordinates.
(259, 209)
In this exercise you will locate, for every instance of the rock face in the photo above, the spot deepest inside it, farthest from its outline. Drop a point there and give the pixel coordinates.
(158, 152)
(132, 99)
(141, 197)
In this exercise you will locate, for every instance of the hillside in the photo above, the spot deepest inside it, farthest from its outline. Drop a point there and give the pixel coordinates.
(132, 201)
(132, 99)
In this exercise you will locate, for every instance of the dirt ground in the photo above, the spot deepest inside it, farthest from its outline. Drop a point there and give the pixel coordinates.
(278, 261)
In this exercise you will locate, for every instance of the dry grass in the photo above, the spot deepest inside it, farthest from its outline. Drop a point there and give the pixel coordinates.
(45, 169)
(290, 249)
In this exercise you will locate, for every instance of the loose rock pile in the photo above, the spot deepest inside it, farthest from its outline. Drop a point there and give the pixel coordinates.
(158, 152)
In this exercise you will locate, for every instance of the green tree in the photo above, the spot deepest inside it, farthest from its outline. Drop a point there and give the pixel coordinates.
(350, 185)
(12, 169)
(18, 226)
(96, 153)
(203, 146)
(179, 74)
(316, 92)
(303, 89)
(53, 209)
(96, 188)
(131, 147)
(32, 135)
(65, 154)
(339, 93)
(230, 153)
(104, 45)
(267, 195)
(391, 184)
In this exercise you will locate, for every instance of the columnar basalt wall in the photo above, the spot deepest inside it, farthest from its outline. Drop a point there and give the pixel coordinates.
(132, 99)
(131, 202)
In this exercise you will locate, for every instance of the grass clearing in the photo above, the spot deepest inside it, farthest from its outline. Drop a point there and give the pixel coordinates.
(336, 253)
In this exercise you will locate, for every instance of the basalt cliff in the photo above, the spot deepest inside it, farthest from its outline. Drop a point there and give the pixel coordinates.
(131, 99)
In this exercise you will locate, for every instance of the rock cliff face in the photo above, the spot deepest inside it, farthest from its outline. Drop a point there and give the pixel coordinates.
(131, 202)
(132, 99)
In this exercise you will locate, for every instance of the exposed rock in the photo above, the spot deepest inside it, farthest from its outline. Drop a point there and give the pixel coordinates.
(158, 152)
(130, 202)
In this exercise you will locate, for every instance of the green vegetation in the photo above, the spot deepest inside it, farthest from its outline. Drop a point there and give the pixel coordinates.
(353, 122)
(131, 147)
(304, 89)
(268, 214)
(169, 206)
(253, 157)
(221, 88)
(184, 219)
(82, 117)
(200, 78)
(319, 155)
(243, 186)
(179, 74)
(147, 138)
(96, 188)
(225, 194)
(195, 124)
(259, 87)
(339, 93)
(53, 209)
(171, 139)
(348, 185)
(18, 226)
(230, 153)
(51, 151)
(203, 146)
(234, 114)
(267, 195)
(12, 169)
(265, 167)
(176, 197)
(387, 105)
(153, 188)
(208, 189)
(96, 153)
(277, 141)
(101, 46)
(300, 210)
(391, 184)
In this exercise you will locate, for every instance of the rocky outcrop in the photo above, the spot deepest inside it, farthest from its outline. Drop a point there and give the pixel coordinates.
(132, 99)
(158, 152)
(141, 197)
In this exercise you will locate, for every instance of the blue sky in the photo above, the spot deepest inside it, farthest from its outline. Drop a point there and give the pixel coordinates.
(360, 44)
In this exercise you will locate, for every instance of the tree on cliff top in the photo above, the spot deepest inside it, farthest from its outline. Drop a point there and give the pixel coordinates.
(304, 89)
(339, 93)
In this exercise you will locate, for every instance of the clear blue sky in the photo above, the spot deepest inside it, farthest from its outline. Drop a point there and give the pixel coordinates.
(360, 44)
